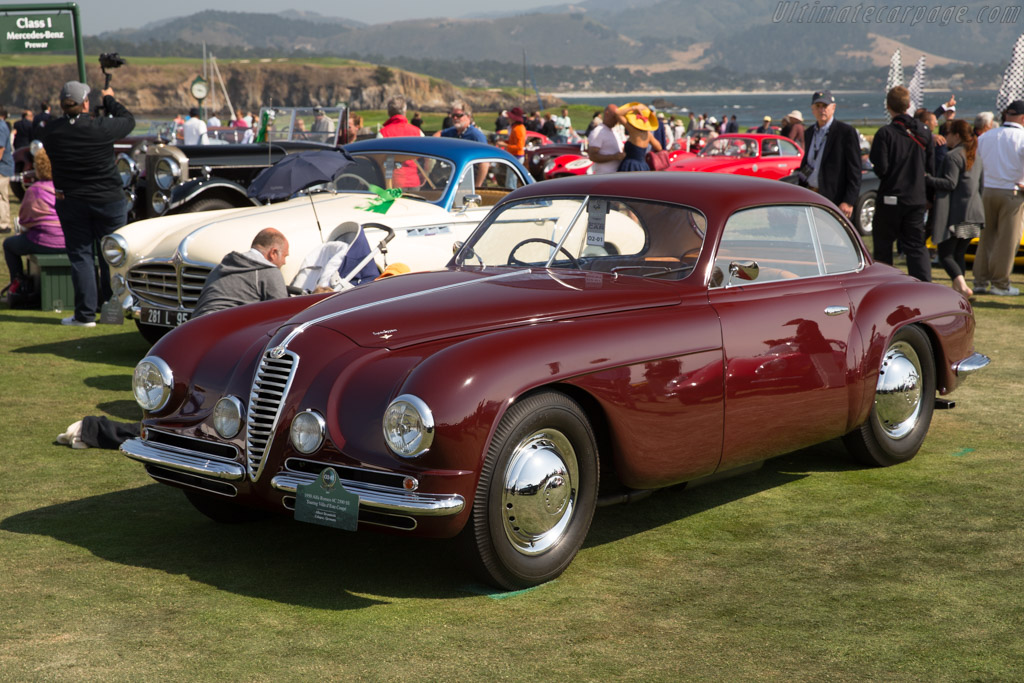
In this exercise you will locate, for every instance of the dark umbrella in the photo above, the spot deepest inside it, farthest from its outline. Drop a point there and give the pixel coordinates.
(296, 172)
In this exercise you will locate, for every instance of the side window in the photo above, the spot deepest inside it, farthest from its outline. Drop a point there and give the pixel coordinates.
(778, 239)
(467, 186)
(769, 148)
(839, 251)
(788, 149)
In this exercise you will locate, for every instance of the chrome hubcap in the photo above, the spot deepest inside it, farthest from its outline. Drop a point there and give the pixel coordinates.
(539, 491)
(898, 393)
(867, 215)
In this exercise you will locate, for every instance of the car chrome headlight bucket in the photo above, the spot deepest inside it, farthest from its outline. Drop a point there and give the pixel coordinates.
(408, 426)
(159, 202)
(307, 431)
(115, 249)
(227, 417)
(166, 173)
(130, 197)
(118, 284)
(152, 383)
(548, 167)
(127, 169)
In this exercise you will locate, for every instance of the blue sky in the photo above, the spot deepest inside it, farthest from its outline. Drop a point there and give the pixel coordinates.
(104, 15)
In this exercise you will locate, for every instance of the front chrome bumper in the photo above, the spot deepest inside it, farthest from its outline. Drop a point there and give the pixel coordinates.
(373, 497)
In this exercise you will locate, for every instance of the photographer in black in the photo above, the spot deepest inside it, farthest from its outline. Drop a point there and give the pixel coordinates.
(90, 199)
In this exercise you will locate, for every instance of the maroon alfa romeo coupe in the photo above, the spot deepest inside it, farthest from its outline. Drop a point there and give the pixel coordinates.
(594, 337)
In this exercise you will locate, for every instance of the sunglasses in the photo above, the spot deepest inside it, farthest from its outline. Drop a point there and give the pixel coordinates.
(458, 115)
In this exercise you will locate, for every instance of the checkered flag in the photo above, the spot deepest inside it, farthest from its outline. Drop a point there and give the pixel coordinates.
(916, 87)
(895, 78)
(1013, 78)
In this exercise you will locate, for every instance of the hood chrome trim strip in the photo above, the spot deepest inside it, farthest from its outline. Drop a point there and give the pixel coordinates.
(316, 321)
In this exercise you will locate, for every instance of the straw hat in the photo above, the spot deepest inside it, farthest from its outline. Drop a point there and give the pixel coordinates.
(645, 119)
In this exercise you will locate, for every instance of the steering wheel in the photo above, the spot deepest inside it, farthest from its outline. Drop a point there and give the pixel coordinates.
(513, 261)
(365, 183)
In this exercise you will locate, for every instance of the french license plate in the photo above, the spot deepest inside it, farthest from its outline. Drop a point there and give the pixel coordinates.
(162, 317)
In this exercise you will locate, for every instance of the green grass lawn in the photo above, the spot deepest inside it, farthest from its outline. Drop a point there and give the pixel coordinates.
(809, 569)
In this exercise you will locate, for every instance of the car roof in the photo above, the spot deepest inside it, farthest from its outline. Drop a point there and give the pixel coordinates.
(714, 194)
(459, 151)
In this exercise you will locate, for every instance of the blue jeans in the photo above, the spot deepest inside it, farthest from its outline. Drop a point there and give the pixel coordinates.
(84, 224)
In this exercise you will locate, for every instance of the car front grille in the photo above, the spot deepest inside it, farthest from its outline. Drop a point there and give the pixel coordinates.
(157, 283)
(269, 389)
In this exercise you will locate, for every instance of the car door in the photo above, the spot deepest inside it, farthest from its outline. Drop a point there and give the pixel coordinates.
(786, 326)
(779, 158)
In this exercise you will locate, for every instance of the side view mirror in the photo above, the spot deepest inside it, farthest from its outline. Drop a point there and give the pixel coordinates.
(743, 270)
(472, 201)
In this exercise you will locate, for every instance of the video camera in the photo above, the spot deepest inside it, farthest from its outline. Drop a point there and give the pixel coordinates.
(110, 60)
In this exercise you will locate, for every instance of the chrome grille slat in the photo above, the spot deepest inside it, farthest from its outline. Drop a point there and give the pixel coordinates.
(269, 388)
(160, 283)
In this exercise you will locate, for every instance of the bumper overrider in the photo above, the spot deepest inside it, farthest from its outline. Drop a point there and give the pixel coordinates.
(220, 476)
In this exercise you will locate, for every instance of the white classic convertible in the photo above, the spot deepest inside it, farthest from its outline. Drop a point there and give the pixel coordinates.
(158, 266)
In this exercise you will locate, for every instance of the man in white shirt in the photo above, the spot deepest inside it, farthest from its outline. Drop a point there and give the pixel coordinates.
(213, 122)
(1002, 154)
(604, 147)
(195, 128)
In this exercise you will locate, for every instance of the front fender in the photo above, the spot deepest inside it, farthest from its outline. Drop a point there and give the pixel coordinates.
(197, 187)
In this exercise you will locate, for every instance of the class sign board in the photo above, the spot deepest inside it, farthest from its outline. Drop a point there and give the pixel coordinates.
(35, 33)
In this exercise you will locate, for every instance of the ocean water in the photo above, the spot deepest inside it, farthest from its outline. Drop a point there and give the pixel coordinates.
(855, 107)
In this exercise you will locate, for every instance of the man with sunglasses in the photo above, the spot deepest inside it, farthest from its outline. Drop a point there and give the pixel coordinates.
(462, 126)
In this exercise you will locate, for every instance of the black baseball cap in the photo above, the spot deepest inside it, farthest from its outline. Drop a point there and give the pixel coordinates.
(1015, 108)
(823, 96)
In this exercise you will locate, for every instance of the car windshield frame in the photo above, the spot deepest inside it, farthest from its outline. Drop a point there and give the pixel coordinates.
(434, 179)
(600, 233)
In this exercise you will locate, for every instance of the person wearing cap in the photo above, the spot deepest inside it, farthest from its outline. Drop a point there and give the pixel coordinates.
(902, 154)
(90, 199)
(604, 147)
(640, 122)
(1002, 153)
(322, 124)
(766, 125)
(515, 144)
(195, 129)
(831, 165)
(793, 127)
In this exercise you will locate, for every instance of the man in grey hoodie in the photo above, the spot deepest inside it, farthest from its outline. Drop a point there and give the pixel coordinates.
(246, 277)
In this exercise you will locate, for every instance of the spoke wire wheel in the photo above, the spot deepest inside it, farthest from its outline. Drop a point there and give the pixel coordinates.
(536, 495)
(903, 404)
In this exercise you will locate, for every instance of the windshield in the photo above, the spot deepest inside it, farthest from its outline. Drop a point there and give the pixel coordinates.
(419, 177)
(730, 147)
(602, 234)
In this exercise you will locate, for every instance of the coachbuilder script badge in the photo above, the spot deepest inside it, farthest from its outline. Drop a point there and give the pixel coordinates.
(325, 501)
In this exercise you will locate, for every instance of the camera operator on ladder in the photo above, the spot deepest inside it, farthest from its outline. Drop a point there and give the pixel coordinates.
(90, 200)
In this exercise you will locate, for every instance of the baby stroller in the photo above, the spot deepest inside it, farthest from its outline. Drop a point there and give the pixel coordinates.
(344, 262)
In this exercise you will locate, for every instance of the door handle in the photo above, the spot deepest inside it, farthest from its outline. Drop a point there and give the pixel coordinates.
(836, 310)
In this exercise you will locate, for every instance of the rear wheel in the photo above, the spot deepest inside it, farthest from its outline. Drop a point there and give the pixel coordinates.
(904, 402)
(223, 510)
(536, 495)
(864, 213)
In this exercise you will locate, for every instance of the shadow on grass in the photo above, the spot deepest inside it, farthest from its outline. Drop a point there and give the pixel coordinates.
(124, 349)
(154, 527)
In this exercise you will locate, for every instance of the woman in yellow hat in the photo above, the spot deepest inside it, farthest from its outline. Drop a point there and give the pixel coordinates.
(639, 122)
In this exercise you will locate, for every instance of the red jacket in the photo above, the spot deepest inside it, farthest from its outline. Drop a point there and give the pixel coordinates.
(399, 126)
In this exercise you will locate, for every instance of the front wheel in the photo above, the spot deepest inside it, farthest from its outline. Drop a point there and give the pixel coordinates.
(864, 213)
(209, 204)
(904, 402)
(536, 495)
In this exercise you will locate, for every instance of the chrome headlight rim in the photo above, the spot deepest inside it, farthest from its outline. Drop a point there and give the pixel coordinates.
(303, 421)
(228, 417)
(166, 172)
(405, 414)
(142, 371)
(159, 202)
(114, 248)
(127, 169)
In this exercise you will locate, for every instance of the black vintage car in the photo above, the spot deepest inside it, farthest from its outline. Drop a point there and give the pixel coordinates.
(173, 178)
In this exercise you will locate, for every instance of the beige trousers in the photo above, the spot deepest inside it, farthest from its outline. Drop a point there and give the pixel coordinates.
(997, 247)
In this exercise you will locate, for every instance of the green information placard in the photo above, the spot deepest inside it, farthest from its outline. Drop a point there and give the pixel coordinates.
(36, 33)
(326, 502)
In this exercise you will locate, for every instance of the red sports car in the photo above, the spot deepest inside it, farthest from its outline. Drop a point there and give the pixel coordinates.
(764, 156)
(595, 338)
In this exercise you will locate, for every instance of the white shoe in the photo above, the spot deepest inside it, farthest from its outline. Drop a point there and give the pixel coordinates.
(75, 322)
(73, 432)
(1009, 291)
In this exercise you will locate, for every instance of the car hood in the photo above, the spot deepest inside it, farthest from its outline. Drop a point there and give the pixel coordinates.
(423, 307)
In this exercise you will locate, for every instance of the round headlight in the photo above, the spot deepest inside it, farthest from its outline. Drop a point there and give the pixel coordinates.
(549, 166)
(127, 169)
(159, 202)
(408, 426)
(227, 417)
(115, 249)
(307, 432)
(166, 173)
(152, 383)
